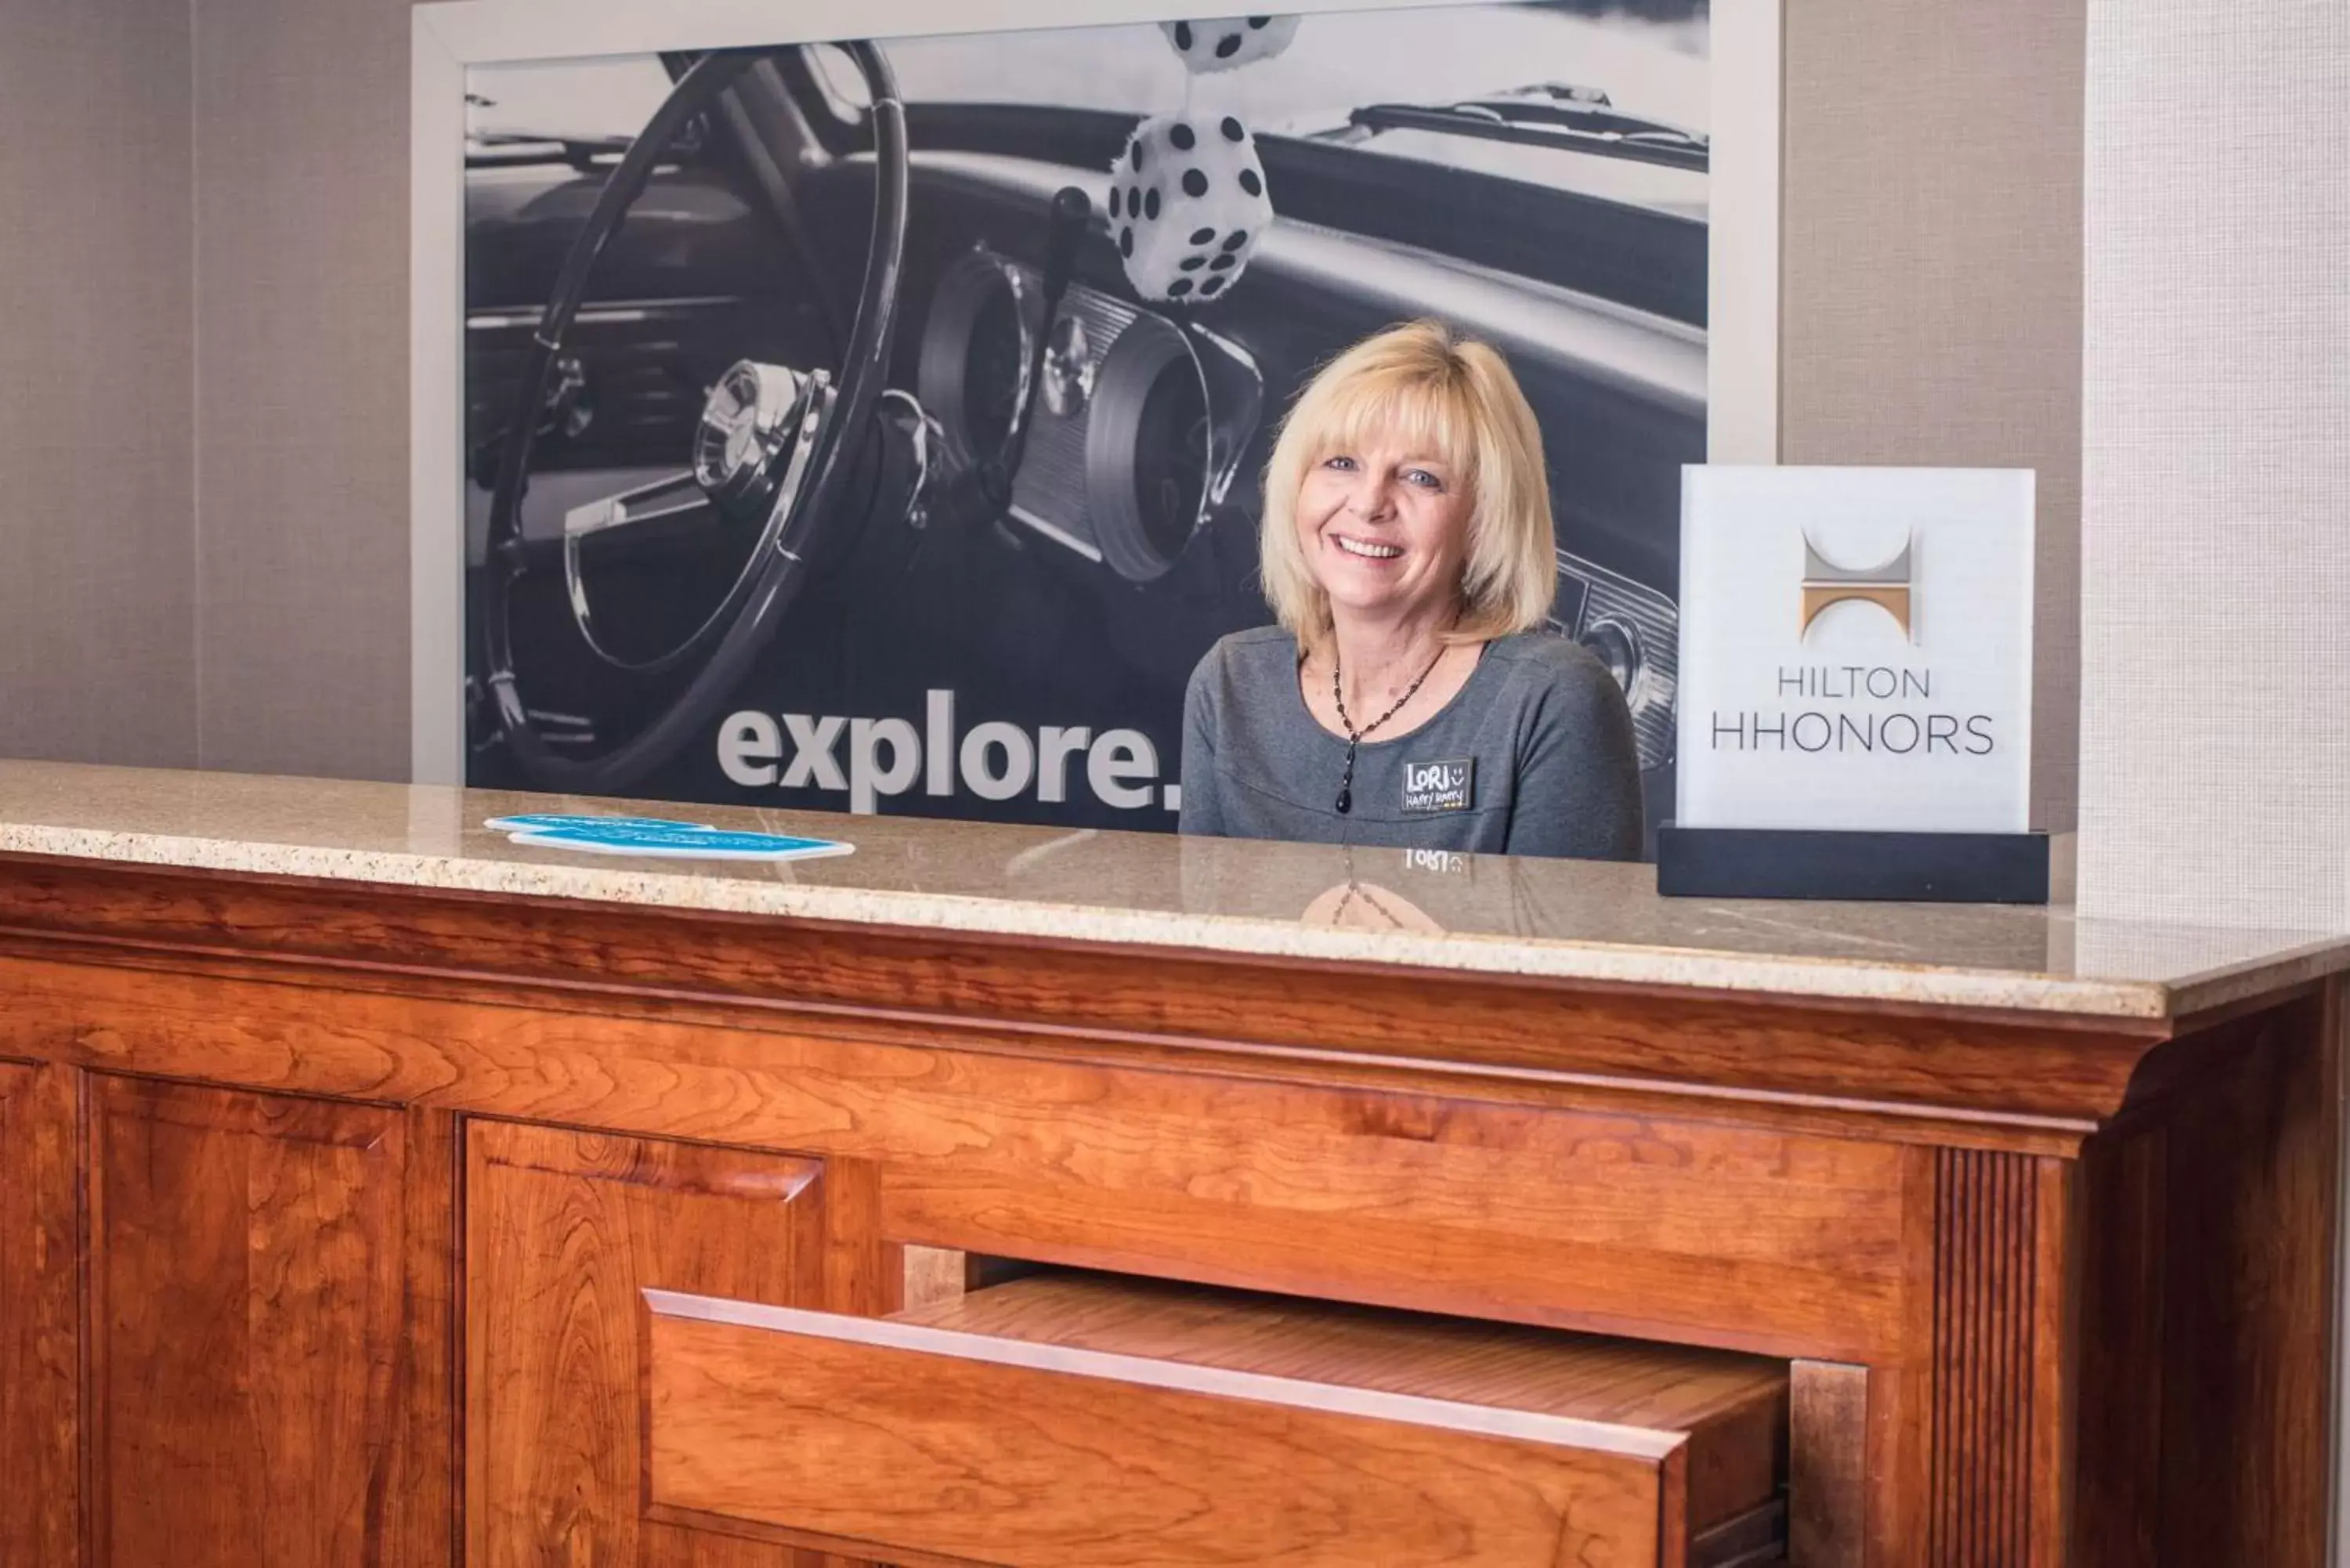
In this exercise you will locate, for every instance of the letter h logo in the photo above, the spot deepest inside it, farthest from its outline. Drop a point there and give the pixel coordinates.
(1887, 586)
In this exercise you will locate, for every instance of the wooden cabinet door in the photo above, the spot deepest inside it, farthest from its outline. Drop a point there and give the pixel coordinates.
(40, 1318)
(268, 1330)
(564, 1230)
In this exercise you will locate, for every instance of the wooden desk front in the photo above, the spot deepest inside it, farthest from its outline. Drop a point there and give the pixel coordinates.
(326, 1212)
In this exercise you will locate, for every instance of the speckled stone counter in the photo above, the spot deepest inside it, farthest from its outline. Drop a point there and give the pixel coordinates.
(1558, 919)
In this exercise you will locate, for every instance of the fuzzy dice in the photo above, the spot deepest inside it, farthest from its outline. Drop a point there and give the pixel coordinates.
(1187, 205)
(1228, 43)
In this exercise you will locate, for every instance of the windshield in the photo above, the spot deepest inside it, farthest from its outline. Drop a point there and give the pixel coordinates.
(1338, 63)
(574, 100)
(1344, 62)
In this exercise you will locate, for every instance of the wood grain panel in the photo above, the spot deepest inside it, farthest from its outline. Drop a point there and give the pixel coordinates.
(1900, 1397)
(2282, 1245)
(2125, 1181)
(563, 1229)
(431, 1447)
(1051, 1423)
(40, 1316)
(1827, 1465)
(1998, 1438)
(1986, 1063)
(1748, 1237)
(2054, 1348)
(2251, 1172)
(252, 1333)
(1981, 1344)
(934, 1274)
(79, 1009)
(1510, 1262)
(2207, 1338)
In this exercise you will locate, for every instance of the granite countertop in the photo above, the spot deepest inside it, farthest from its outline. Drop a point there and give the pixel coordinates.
(1582, 920)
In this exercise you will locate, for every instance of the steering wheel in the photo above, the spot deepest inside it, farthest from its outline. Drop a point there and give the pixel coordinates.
(773, 450)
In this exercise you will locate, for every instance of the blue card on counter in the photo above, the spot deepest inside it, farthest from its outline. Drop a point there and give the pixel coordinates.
(660, 836)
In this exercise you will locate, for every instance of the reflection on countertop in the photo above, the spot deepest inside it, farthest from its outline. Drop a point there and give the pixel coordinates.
(1566, 919)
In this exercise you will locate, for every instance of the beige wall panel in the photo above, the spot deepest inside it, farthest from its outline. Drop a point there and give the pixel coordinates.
(96, 549)
(2215, 749)
(301, 161)
(1931, 299)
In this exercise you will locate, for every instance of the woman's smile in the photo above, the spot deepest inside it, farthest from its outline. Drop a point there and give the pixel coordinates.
(1385, 527)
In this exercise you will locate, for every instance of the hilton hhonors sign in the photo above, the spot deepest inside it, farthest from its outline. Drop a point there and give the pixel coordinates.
(1856, 649)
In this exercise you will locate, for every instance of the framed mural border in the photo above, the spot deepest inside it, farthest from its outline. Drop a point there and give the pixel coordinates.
(449, 36)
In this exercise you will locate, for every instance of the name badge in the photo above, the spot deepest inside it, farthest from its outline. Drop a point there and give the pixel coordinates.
(1449, 786)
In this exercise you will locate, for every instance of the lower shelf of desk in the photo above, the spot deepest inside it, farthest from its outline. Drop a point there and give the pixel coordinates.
(1066, 1421)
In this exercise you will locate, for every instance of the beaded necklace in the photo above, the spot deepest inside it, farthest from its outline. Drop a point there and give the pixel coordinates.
(1346, 802)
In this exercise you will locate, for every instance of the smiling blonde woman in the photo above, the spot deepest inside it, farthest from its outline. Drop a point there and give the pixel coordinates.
(1411, 694)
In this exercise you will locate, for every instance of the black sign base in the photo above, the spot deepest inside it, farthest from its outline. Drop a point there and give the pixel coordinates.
(1902, 867)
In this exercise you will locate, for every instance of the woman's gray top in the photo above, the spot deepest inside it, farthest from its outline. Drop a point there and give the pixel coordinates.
(1533, 756)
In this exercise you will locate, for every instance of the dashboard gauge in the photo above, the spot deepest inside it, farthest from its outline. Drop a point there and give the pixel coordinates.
(1635, 631)
(976, 346)
(1147, 448)
(1139, 423)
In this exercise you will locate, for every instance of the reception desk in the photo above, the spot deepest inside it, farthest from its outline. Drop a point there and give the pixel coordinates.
(374, 1190)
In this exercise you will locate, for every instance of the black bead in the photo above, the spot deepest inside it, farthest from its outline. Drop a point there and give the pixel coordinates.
(1346, 800)
(1180, 135)
(1249, 183)
(1196, 184)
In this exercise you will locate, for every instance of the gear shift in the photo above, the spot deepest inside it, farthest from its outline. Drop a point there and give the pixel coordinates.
(1070, 212)
(986, 492)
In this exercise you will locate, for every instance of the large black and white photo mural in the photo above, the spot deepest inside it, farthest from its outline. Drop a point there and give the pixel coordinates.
(878, 425)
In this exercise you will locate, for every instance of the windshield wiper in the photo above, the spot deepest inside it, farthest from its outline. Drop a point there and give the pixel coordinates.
(514, 149)
(1548, 114)
(589, 154)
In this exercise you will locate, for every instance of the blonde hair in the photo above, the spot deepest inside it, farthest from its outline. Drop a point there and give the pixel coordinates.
(1454, 398)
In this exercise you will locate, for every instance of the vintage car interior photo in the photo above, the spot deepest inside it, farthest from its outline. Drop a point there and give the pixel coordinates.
(779, 402)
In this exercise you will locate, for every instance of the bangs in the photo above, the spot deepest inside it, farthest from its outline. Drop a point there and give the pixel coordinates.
(1430, 416)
